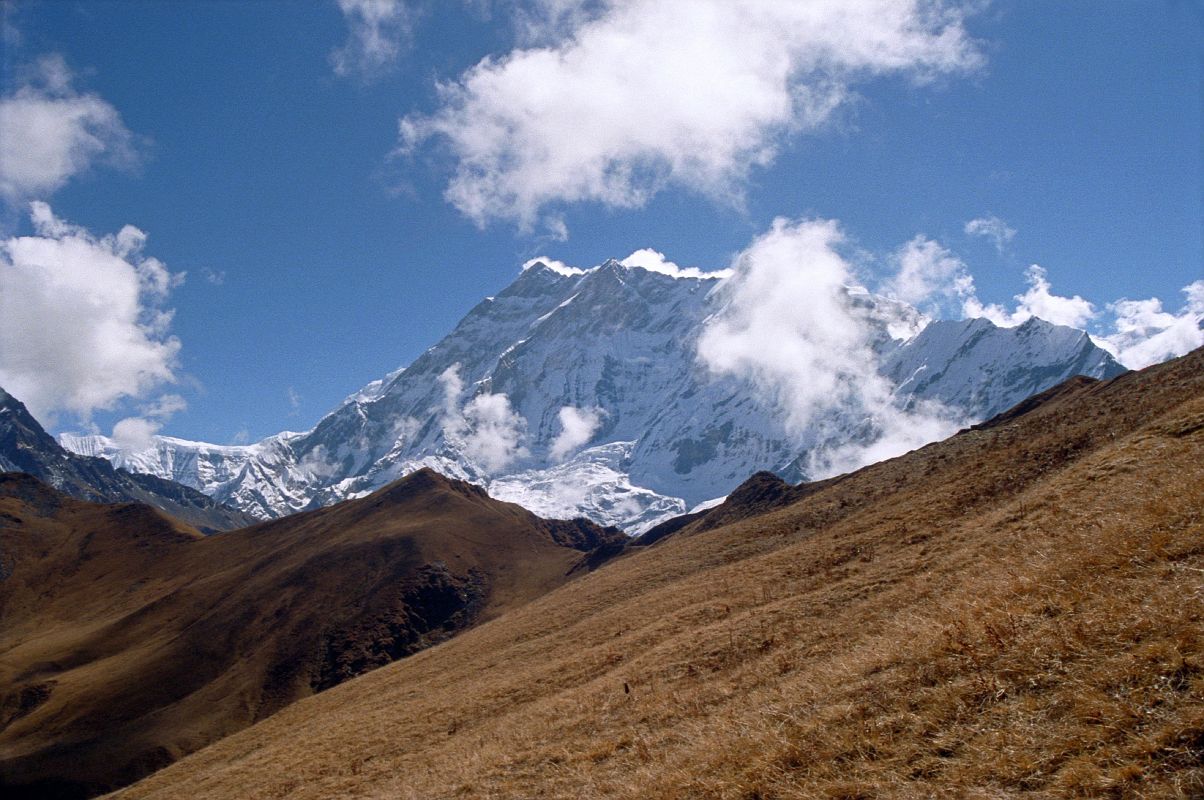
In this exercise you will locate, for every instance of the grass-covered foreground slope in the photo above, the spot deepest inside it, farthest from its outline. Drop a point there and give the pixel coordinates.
(1015, 612)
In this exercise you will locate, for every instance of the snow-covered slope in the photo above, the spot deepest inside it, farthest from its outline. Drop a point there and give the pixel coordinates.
(25, 446)
(648, 433)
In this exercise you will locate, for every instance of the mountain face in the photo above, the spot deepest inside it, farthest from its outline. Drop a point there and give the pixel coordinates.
(617, 347)
(130, 639)
(26, 447)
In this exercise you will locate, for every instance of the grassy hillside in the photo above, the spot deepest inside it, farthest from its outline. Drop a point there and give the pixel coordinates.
(127, 639)
(1017, 611)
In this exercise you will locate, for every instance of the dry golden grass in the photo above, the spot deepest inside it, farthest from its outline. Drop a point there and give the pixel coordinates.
(128, 640)
(1016, 612)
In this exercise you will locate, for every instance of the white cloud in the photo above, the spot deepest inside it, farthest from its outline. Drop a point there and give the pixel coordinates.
(486, 429)
(82, 323)
(993, 228)
(404, 429)
(1145, 334)
(558, 267)
(377, 32)
(1139, 332)
(165, 407)
(1036, 301)
(644, 94)
(294, 401)
(645, 258)
(135, 433)
(655, 261)
(319, 463)
(494, 432)
(789, 326)
(49, 133)
(453, 387)
(577, 427)
(928, 273)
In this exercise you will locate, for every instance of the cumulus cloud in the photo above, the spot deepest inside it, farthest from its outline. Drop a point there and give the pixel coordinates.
(377, 32)
(135, 433)
(82, 322)
(49, 132)
(993, 228)
(577, 427)
(486, 428)
(495, 431)
(928, 274)
(643, 94)
(1037, 301)
(790, 326)
(1144, 334)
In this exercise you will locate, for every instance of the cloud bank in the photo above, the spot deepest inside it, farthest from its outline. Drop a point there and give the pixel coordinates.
(1037, 301)
(50, 133)
(791, 328)
(1137, 333)
(643, 94)
(82, 318)
(1145, 334)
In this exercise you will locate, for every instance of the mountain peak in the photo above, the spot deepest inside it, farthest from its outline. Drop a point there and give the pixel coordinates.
(580, 394)
(428, 479)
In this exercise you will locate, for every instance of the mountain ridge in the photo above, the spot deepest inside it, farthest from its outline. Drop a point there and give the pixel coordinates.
(617, 345)
(26, 447)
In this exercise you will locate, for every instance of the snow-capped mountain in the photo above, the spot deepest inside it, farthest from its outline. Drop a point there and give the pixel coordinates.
(25, 446)
(580, 392)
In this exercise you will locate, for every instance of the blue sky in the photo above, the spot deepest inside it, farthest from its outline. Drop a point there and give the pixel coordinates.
(318, 257)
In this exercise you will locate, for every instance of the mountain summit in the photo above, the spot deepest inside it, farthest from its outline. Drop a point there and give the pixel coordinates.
(581, 392)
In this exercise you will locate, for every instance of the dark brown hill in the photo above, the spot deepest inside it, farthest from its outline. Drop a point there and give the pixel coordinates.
(1015, 612)
(128, 639)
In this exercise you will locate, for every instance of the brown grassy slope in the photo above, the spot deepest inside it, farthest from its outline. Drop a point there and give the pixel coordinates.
(128, 640)
(1014, 612)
